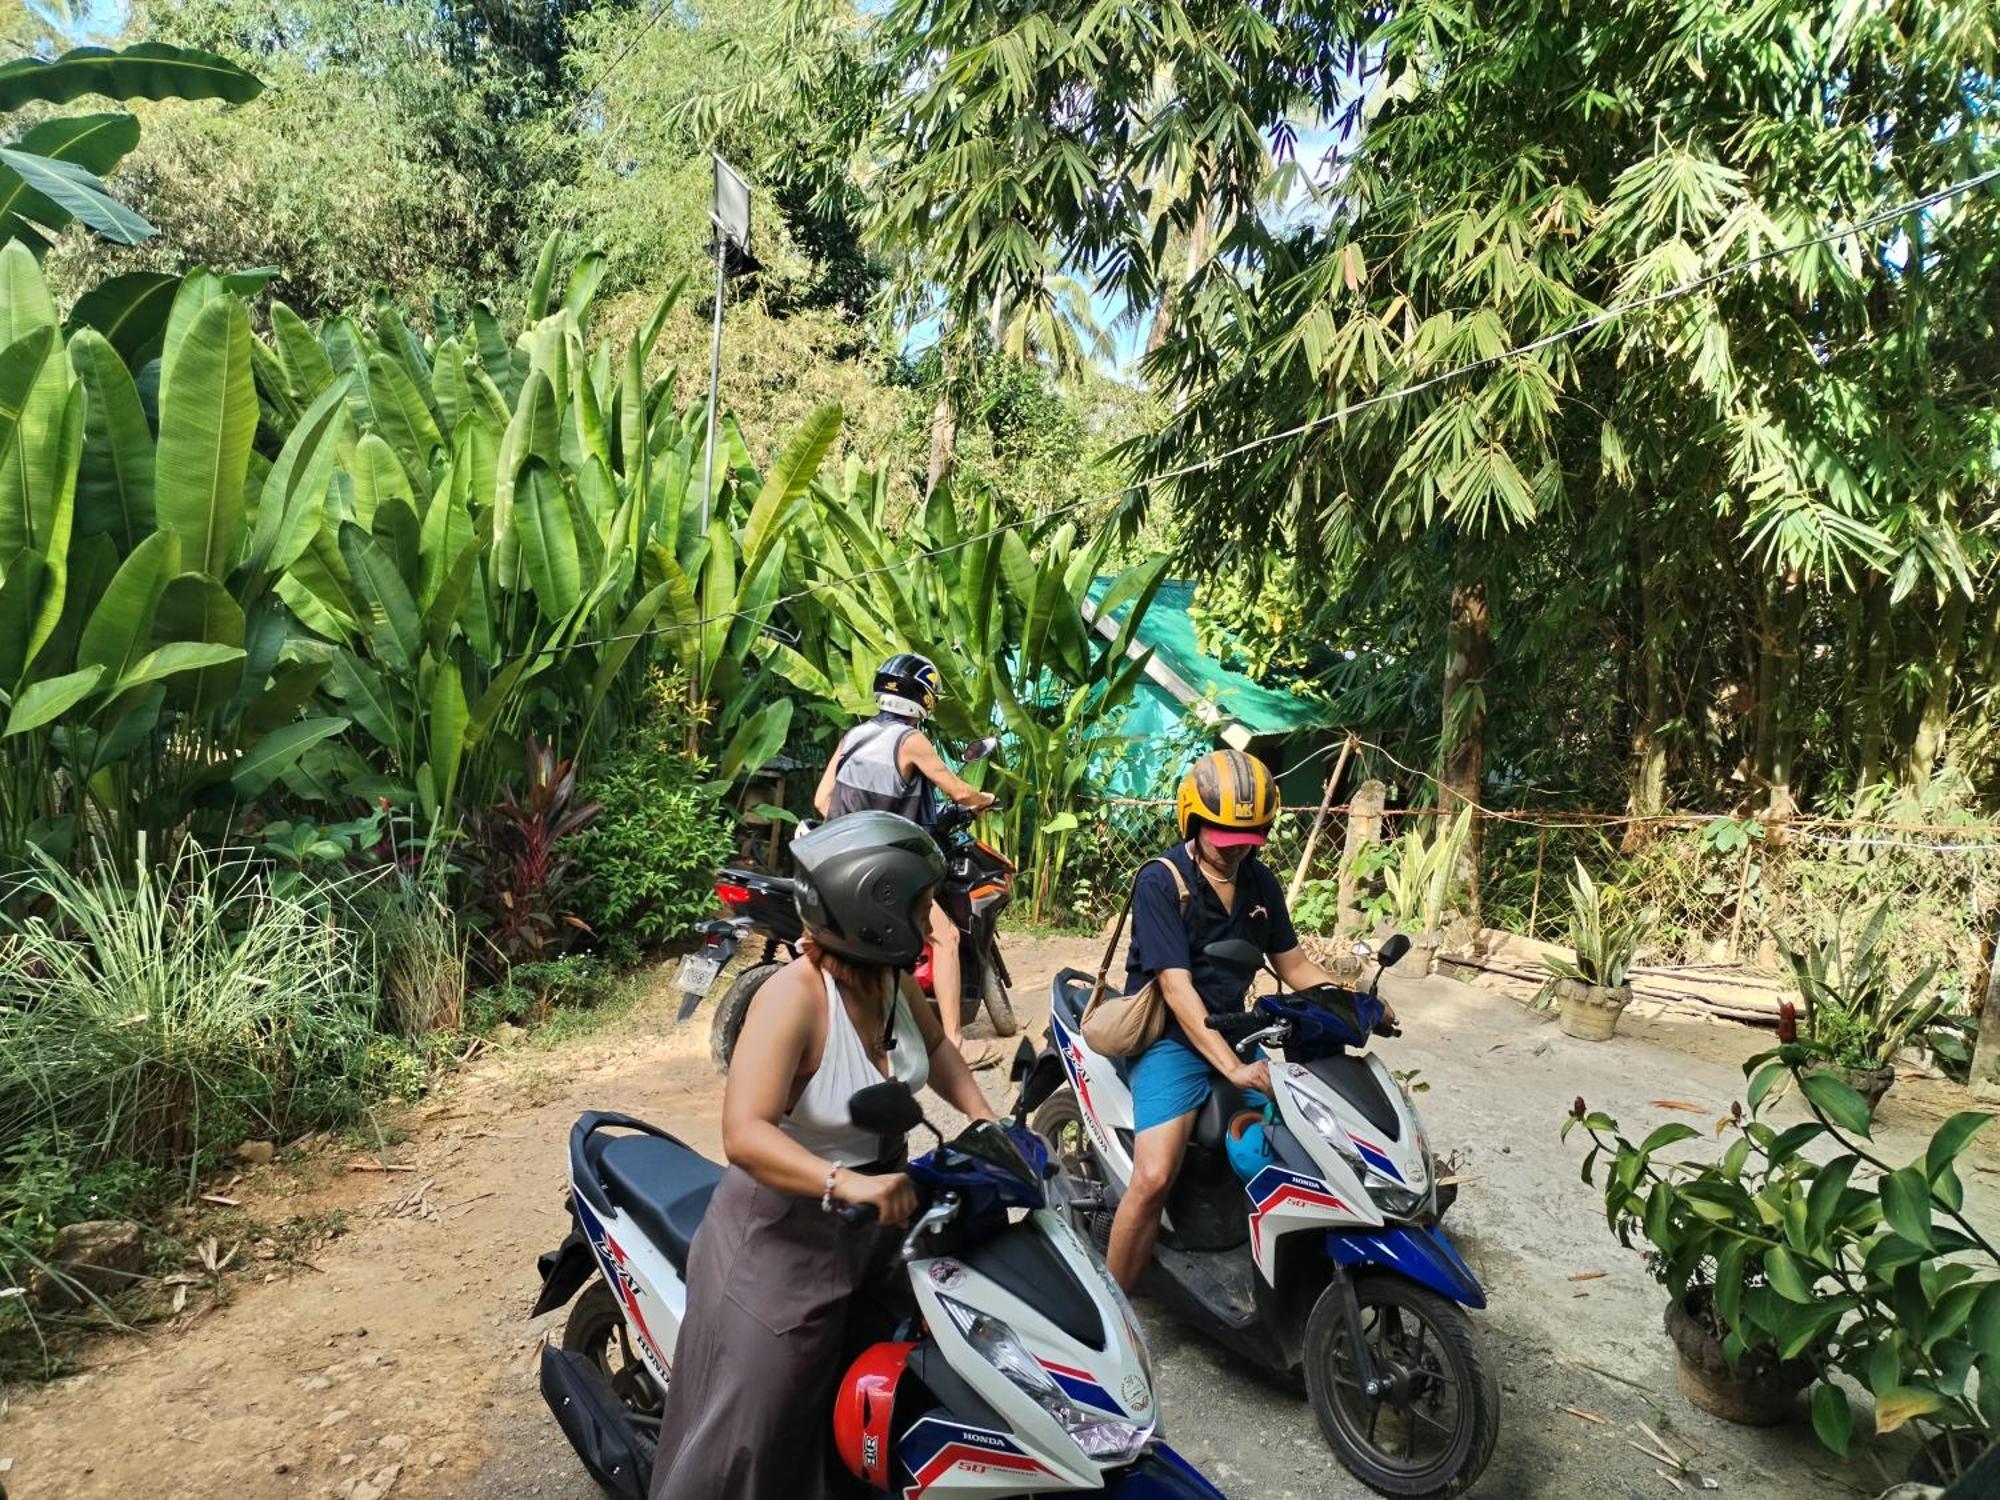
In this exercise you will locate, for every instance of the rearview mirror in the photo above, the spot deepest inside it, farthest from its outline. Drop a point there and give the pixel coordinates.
(1024, 1062)
(887, 1108)
(1394, 949)
(980, 749)
(1236, 954)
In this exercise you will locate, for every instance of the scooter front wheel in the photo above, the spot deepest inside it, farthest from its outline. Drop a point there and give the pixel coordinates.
(1430, 1426)
(999, 1004)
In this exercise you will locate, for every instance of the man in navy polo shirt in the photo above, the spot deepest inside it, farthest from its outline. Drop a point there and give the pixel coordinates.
(1227, 804)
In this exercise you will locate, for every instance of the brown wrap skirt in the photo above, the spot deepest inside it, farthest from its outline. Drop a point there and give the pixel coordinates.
(773, 1291)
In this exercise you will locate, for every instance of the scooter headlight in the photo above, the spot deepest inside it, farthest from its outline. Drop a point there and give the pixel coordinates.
(1106, 1440)
(1394, 1199)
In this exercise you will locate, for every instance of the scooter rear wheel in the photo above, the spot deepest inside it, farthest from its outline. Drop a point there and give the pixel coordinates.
(1432, 1430)
(729, 1013)
(595, 1329)
(1059, 1122)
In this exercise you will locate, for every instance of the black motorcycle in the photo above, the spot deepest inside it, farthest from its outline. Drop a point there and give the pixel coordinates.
(978, 887)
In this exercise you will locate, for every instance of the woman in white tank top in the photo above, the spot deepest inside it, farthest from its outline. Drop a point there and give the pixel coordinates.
(773, 1274)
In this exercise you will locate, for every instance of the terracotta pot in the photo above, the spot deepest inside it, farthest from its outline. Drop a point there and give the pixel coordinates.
(1590, 1012)
(1761, 1391)
(1870, 1083)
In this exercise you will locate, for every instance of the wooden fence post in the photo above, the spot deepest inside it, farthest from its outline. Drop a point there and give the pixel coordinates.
(1985, 1075)
(1535, 901)
(1364, 827)
(1325, 804)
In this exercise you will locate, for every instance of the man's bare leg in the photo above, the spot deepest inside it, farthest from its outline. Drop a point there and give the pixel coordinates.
(1156, 1161)
(946, 976)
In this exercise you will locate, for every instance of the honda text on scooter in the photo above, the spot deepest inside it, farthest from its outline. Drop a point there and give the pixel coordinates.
(1021, 1371)
(1330, 1256)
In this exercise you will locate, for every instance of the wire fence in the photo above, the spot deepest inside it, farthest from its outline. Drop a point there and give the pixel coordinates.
(1723, 891)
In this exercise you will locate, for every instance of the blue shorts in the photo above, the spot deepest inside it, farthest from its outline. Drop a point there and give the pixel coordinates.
(1170, 1079)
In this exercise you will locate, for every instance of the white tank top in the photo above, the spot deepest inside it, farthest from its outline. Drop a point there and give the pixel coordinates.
(819, 1120)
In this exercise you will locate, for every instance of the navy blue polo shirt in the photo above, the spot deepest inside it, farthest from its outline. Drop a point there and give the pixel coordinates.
(1162, 940)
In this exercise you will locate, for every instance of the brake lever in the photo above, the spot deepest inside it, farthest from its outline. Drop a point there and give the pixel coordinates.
(938, 1214)
(1257, 1039)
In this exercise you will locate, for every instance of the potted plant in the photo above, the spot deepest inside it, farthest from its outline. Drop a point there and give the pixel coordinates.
(1856, 1016)
(1592, 989)
(1916, 1282)
(1802, 1254)
(1417, 885)
(1740, 1353)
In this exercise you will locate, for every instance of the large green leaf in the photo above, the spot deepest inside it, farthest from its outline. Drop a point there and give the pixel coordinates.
(383, 601)
(24, 367)
(121, 627)
(1952, 1137)
(305, 363)
(1838, 1100)
(174, 658)
(150, 70)
(787, 482)
(449, 719)
(547, 540)
(208, 418)
(759, 738)
(51, 698)
(129, 310)
(114, 482)
(97, 143)
(20, 606)
(274, 754)
(631, 632)
(57, 481)
(78, 192)
(404, 419)
(1906, 1205)
(375, 708)
(293, 501)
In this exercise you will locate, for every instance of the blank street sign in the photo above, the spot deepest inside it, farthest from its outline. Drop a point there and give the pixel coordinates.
(729, 209)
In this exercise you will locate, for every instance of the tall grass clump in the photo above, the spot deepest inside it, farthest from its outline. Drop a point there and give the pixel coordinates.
(158, 1019)
(417, 952)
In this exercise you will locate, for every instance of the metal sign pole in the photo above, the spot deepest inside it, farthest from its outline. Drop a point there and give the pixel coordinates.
(714, 379)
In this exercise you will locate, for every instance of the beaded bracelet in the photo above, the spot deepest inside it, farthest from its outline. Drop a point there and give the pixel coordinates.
(826, 1197)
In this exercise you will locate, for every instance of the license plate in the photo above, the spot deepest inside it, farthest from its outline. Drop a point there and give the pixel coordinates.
(698, 970)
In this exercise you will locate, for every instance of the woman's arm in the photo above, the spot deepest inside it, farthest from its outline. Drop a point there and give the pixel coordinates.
(951, 1079)
(823, 793)
(1297, 972)
(781, 1027)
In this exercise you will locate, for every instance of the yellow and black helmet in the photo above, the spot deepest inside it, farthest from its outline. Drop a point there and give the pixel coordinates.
(1229, 791)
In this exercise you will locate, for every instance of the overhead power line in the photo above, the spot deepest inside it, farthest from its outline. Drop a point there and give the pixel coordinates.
(1398, 393)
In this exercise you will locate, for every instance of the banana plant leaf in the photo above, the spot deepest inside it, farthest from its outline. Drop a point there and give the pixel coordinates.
(149, 70)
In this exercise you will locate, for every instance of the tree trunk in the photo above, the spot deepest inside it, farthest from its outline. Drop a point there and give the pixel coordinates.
(1468, 651)
(1935, 720)
(944, 442)
(1364, 827)
(1778, 695)
(1648, 797)
(1874, 705)
(1197, 252)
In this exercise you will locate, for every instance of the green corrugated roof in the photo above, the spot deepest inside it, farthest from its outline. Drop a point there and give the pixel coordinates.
(1169, 631)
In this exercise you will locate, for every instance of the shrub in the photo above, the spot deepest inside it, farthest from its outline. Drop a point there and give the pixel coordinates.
(647, 865)
(160, 1021)
(1604, 938)
(1857, 1016)
(518, 857)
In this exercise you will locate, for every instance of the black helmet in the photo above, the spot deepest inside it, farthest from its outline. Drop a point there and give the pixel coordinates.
(907, 684)
(859, 882)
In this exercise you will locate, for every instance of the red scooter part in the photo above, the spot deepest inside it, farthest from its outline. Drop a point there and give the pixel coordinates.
(923, 972)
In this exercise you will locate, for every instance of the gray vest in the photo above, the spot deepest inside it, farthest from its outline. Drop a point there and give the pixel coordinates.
(867, 775)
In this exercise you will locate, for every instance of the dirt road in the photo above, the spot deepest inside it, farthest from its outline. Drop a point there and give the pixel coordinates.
(401, 1361)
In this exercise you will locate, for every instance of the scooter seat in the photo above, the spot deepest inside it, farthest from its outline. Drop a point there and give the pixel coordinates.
(1211, 1126)
(662, 1186)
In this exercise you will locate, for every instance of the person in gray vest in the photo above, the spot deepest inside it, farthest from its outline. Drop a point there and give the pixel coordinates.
(888, 764)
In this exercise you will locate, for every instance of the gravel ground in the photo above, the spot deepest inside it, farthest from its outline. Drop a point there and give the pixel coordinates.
(398, 1360)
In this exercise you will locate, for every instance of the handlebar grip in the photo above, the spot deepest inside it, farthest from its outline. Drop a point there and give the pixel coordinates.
(1387, 1028)
(1236, 1024)
(856, 1213)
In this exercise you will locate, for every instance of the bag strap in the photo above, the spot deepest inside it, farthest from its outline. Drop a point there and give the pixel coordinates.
(1118, 931)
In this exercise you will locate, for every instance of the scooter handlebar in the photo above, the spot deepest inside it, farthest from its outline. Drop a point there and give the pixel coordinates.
(856, 1213)
(1237, 1024)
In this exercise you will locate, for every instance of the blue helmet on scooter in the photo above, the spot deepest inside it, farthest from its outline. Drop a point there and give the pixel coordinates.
(1248, 1143)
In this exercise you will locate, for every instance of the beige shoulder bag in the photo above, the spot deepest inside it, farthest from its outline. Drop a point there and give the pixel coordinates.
(1125, 1025)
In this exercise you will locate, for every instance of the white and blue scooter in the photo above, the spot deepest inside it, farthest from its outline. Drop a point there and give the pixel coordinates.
(1329, 1258)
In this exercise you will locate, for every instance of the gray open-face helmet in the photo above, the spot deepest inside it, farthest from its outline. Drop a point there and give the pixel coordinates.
(860, 879)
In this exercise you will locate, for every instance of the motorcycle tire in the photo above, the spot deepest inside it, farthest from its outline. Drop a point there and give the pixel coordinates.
(727, 1025)
(1059, 1122)
(1442, 1328)
(999, 1004)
